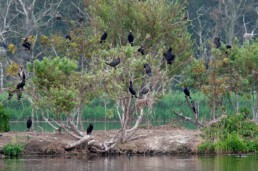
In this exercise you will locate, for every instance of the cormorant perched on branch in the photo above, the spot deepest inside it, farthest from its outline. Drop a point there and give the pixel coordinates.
(80, 17)
(187, 92)
(89, 129)
(29, 123)
(68, 37)
(22, 76)
(131, 90)
(26, 44)
(217, 42)
(148, 69)
(193, 108)
(58, 16)
(114, 63)
(169, 56)
(21, 84)
(141, 50)
(103, 37)
(228, 47)
(130, 38)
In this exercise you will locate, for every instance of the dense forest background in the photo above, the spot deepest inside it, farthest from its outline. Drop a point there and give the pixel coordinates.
(219, 83)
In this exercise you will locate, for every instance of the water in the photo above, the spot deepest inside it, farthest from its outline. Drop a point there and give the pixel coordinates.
(20, 126)
(136, 163)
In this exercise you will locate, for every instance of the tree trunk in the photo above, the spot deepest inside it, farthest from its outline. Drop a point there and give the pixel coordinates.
(32, 118)
(1, 77)
(79, 116)
(256, 108)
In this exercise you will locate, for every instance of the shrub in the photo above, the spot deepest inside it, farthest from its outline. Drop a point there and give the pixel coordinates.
(233, 134)
(13, 149)
(4, 119)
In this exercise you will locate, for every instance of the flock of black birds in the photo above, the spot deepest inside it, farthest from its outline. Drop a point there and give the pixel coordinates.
(168, 56)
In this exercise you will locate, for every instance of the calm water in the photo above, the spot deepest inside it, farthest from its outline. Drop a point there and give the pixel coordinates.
(136, 163)
(98, 125)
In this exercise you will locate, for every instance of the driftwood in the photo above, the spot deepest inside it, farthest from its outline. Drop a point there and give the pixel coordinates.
(86, 138)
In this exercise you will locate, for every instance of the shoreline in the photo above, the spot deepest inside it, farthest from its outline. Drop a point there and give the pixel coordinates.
(161, 140)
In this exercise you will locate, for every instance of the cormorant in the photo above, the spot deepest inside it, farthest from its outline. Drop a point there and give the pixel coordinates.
(193, 108)
(58, 16)
(228, 47)
(114, 63)
(29, 123)
(22, 76)
(26, 44)
(141, 50)
(187, 92)
(79, 17)
(144, 90)
(131, 90)
(130, 38)
(148, 69)
(89, 129)
(103, 37)
(217, 42)
(169, 56)
(68, 37)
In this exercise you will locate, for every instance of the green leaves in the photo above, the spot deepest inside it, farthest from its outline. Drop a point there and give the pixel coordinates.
(54, 79)
(4, 119)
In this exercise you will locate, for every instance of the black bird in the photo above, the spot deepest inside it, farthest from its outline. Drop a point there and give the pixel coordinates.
(144, 90)
(141, 50)
(26, 44)
(130, 38)
(228, 47)
(169, 56)
(22, 76)
(193, 108)
(80, 17)
(217, 42)
(89, 129)
(131, 90)
(68, 37)
(58, 16)
(103, 37)
(187, 92)
(148, 69)
(29, 123)
(114, 63)
(10, 95)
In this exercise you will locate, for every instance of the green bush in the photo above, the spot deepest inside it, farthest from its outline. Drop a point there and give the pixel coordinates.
(206, 147)
(13, 149)
(4, 119)
(232, 134)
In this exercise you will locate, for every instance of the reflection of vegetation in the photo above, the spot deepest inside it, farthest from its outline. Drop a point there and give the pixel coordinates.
(13, 149)
(4, 119)
(233, 134)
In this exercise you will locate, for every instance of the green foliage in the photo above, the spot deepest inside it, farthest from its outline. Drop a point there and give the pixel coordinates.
(13, 149)
(206, 148)
(4, 119)
(54, 80)
(232, 134)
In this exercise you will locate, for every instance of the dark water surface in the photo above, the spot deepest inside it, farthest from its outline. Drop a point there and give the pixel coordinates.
(136, 163)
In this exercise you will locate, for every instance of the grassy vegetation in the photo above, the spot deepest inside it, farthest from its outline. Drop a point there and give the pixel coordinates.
(233, 134)
(4, 119)
(13, 149)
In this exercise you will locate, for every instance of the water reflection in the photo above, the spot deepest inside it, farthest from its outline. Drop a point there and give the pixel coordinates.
(141, 163)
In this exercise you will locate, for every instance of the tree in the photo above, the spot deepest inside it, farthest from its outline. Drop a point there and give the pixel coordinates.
(155, 25)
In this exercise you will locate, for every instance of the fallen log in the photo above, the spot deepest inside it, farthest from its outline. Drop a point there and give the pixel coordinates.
(86, 138)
